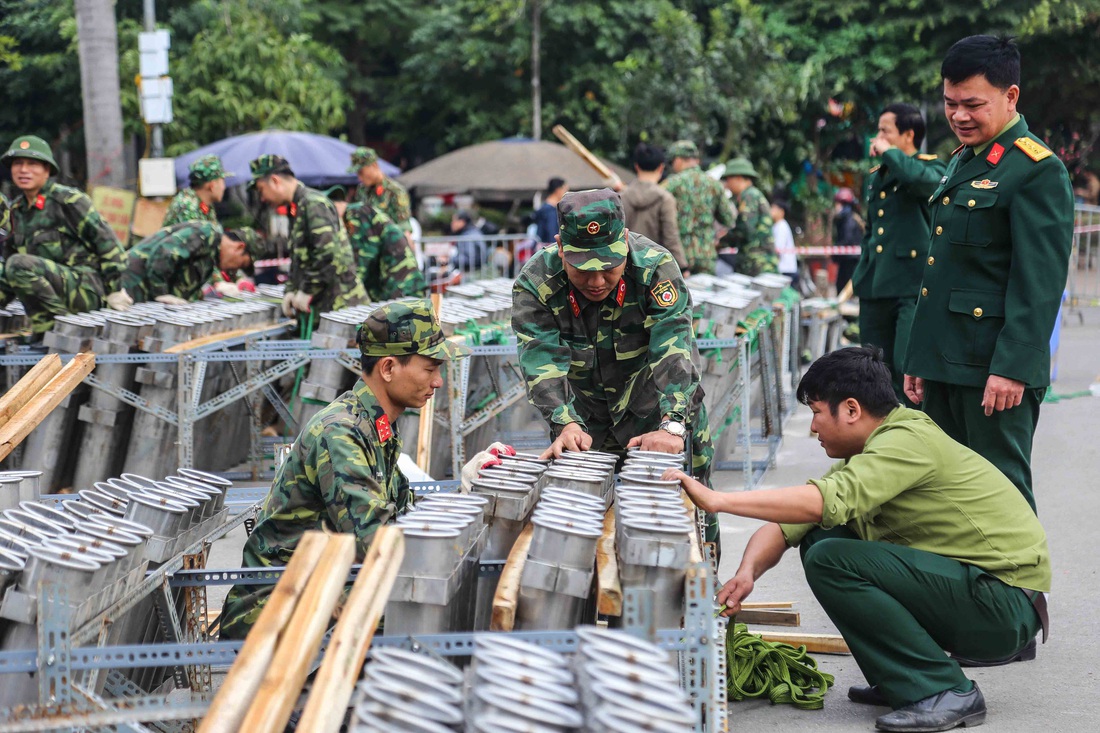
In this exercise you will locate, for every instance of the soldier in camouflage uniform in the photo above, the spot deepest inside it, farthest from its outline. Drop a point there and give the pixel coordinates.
(700, 202)
(752, 236)
(378, 190)
(342, 475)
(5, 218)
(322, 265)
(172, 265)
(387, 266)
(62, 256)
(196, 203)
(604, 324)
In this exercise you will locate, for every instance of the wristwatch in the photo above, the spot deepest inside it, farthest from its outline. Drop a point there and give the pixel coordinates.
(673, 427)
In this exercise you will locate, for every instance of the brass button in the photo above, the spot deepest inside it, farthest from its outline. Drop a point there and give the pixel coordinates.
(939, 230)
(924, 292)
(931, 260)
(881, 212)
(971, 203)
(881, 230)
(879, 249)
(882, 194)
(946, 200)
(978, 312)
(912, 253)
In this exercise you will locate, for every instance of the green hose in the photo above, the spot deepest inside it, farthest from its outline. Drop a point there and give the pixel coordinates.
(782, 673)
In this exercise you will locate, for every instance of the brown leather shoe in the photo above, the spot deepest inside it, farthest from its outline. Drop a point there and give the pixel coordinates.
(867, 695)
(942, 711)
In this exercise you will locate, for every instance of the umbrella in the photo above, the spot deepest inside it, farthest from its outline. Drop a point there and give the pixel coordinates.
(504, 170)
(317, 160)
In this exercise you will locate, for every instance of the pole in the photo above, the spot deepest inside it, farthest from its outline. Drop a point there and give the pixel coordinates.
(536, 70)
(156, 142)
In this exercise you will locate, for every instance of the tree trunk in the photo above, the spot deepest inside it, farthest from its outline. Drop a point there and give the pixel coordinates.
(97, 34)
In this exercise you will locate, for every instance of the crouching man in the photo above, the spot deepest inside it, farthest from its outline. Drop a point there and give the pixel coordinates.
(913, 544)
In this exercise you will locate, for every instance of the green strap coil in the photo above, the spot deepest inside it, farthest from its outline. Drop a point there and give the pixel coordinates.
(782, 673)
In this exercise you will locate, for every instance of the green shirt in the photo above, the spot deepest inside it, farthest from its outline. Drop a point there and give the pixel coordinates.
(914, 486)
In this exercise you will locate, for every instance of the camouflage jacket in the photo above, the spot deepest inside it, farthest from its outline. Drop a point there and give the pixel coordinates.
(177, 260)
(625, 362)
(322, 263)
(700, 203)
(341, 476)
(390, 197)
(62, 226)
(186, 206)
(386, 264)
(5, 219)
(753, 235)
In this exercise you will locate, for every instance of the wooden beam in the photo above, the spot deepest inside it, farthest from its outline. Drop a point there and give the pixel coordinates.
(233, 698)
(298, 645)
(427, 412)
(359, 620)
(506, 598)
(696, 551)
(746, 605)
(816, 643)
(769, 617)
(214, 338)
(579, 148)
(28, 386)
(42, 404)
(610, 591)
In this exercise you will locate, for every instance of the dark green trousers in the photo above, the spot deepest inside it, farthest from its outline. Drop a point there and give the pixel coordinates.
(1004, 438)
(885, 323)
(900, 609)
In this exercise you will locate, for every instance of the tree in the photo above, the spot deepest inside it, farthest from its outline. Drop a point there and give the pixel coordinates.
(97, 34)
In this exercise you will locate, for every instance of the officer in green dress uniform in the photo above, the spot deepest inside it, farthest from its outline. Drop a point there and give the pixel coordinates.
(1002, 232)
(895, 243)
(913, 544)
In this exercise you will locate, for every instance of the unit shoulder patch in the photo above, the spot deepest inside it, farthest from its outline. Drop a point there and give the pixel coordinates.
(927, 156)
(1034, 150)
(665, 293)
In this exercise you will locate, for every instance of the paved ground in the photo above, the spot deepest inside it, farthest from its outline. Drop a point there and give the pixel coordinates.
(1057, 690)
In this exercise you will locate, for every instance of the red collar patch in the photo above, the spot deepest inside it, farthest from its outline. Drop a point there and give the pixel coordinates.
(620, 295)
(40, 202)
(382, 425)
(379, 190)
(293, 209)
(203, 207)
(995, 153)
(573, 304)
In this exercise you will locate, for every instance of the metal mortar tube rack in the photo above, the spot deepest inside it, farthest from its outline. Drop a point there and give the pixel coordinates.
(107, 419)
(49, 446)
(510, 505)
(327, 379)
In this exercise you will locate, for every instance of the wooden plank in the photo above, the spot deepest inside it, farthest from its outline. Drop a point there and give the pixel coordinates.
(28, 386)
(815, 643)
(214, 338)
(427, 412)
(745, 605)
(579, 148)
(696, 550)
(610, 591)
(769, 618)
(359, 620)
(298, 645)
(233, 698)
(506, 598)
(40, 405)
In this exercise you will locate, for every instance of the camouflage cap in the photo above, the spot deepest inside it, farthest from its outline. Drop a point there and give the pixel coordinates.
(683, 149)
(361, 157)
(205, 169)
(254, 244)
(740, 167)
(592, 228)
(406, 327)
(266, 165)
(30, 146)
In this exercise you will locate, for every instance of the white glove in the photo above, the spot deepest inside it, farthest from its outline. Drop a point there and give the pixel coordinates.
(301, 301)
(288, 309)
(170, 300)
(488, 457)
(120, 301)
(227, 290)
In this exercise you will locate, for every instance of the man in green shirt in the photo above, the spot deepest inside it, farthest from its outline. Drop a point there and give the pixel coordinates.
(912, 543)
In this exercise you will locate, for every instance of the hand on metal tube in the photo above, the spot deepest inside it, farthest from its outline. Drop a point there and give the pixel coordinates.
(120, 301)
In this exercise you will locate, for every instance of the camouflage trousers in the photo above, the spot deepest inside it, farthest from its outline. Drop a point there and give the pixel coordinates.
(48, 289)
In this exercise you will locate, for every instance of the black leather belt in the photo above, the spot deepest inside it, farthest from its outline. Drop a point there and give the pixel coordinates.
(1039, 601)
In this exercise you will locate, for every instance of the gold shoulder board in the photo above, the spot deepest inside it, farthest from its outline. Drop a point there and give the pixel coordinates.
(927, 156)
(1035, 151)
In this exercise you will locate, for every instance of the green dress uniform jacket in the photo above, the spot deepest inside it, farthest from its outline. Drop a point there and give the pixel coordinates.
(176, 260)
(322, 263)
(341, 476)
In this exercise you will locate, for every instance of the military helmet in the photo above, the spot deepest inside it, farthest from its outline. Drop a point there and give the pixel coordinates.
(740, 167)
(206, 168)
(30, 146)
(406, 327)
(592, 229)
(361, 157)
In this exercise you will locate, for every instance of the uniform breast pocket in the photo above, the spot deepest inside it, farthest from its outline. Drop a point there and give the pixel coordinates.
(631, 346)
(972, 221)
(978, 317)
(582, 358)
(46, 243)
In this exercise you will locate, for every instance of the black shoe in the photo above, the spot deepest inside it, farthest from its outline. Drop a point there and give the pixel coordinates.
(942, 711)
(867, 695)
(1024, 655)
